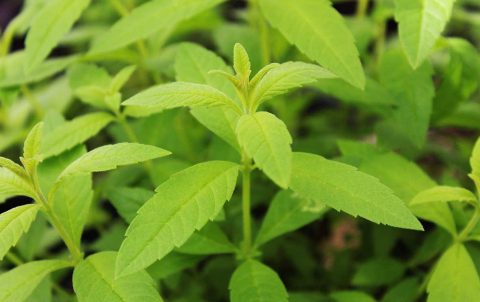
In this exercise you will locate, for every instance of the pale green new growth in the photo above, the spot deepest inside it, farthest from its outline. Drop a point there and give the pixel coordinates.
(121, 78)
(319, 31)
(13, 224)
(266, 139)
(454, 278)
(255, 282)
(344, 188)
(109, 157)
(421, 23)
(288, 212)
(94, 280)
(444, 194)
(241, 62)
(12, 184)
(280, 79)
(48, 27)
(148, 19)
(32, 144)
(72, 209)
(12, 166)
(73, 133)
(17, 284)
(182, 204)
(177, 94)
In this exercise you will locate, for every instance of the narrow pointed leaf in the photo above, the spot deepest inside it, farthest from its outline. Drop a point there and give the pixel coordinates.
(13, 224)
(94, 280)
(33, 142)
(13, 185)
(266, 139)
(183, 204)
(73, 133)
(444, 194)
(148, 19)
(420, 25)
(177, 94)
(241, 61)
(344, 188)
(12, 166)
(320, 32)
(288, 212)
(454, 278)
(53, 21)
(286, 76)
(109, 157)
(17, 284)
(255, 282)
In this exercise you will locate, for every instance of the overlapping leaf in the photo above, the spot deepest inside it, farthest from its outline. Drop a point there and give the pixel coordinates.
(183, 204)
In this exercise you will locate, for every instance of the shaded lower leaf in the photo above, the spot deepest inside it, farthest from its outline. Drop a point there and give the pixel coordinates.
(94, 280)
(255, 282)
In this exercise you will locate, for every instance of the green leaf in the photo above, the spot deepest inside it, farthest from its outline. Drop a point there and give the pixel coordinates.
(94, 280)
(50, 24)
(192, 64)
(13, 224)
(414, 105)
(241, 61)
(17, 284)
(320, 32)
(405, 291)
(70, 201)
(12, 166)
(454, 277)
(182, 204)
(121, 78)
(286, 213)
(31, 147)
(344, 188)
(420, 25)
(266, 139)
(351, 296)
(406, 179)
(475, 164)
(171, 264)
(13, 185)
(177, 94)
(148, 19)
(255, 282)
(444, 194)
(73, 133)
(207, 241)
(12, 72)
(378, 272)
(286, 76)
(109, 157)
(127, 200)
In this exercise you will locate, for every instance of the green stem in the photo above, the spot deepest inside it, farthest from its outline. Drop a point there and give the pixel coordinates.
(7, 39)
(362, 7)
(246, 215)
(14, 259)
(470, 226)
(75, 250)
(380, 41)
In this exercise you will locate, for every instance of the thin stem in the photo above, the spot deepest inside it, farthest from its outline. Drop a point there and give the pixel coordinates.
(14, 259)
(470, 225)
(74, 249)
(7, 39)
(34, 102)
(380, 41)
(247, 227)
(362, 7)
